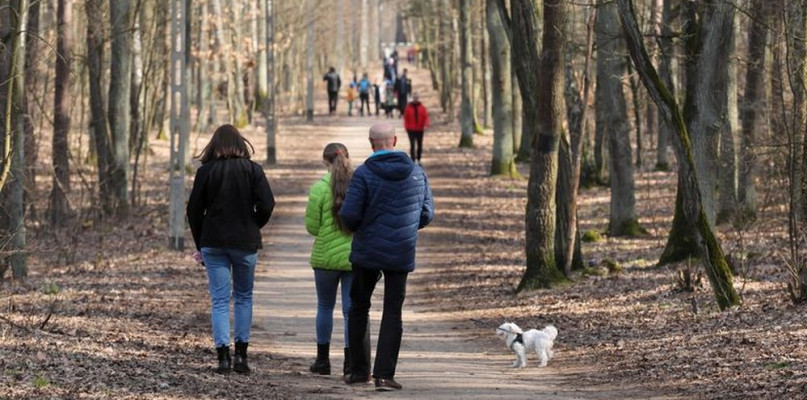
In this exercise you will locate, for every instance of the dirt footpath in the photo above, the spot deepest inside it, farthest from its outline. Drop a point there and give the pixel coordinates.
(443, 356)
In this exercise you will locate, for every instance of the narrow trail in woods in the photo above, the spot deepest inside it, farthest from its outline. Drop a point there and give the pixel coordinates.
(442, 355)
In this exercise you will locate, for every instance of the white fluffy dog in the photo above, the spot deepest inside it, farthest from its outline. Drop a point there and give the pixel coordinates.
(521, 342)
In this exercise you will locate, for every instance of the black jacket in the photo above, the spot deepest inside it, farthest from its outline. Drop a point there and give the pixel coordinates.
(230, 202)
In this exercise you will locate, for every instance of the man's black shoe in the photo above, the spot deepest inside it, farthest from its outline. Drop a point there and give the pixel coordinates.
(353, 379)
(387, 385)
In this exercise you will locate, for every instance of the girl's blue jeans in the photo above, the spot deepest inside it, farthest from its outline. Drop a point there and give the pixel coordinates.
(226, 267)
(327, 282)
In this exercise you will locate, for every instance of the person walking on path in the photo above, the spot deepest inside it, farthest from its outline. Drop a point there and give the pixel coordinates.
(389, 98)
(403, 88)
(376, 96)
(351, 97)
(330, 253)
(230, 202)
(364, 94)
(333, 85)
(388, 200)
(416, 121)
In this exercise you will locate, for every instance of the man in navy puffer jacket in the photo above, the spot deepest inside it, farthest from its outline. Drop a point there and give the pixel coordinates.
(388, 200)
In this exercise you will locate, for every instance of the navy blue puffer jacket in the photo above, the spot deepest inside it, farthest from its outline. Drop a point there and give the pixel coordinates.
(387, 201)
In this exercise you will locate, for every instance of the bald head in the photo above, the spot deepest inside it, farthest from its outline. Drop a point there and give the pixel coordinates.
(382, 136)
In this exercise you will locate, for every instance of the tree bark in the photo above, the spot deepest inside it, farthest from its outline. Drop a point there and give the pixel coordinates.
(665, 130)
(32, 52)
(503, 163)
(752, 104)
(711, 254)
(727, 178)
(612, 117)
(14, 128)
(59, 206)
(101, 140)
(120, 79)
(466, 56)
(542, 94)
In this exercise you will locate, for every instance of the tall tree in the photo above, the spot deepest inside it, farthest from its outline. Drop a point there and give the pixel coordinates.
(32, 59)
(98, 121)
(269, 104)
(466, 70)
(708, 247)
(705, 108)
(727, 178)
(12, 73)
(541, 80)
(309, 61)
(567, 237)
(59, 208)
(120, 80)
(664, 28)
(612, 116)
(501, 87)
(751, 108)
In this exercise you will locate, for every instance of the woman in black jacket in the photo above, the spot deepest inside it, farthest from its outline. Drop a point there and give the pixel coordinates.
(230, 202)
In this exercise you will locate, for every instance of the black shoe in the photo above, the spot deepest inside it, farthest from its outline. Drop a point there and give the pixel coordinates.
(240, 363)
(322, 365)
(225, 362)
(346, 364)
(353, 379)
(387, 385)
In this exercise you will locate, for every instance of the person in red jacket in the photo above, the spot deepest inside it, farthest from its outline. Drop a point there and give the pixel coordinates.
(416, 121)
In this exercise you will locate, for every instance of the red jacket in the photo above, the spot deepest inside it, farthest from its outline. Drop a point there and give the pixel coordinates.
(416, 118)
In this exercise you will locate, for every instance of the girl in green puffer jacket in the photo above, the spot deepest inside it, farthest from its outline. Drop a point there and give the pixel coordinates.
(329, 256)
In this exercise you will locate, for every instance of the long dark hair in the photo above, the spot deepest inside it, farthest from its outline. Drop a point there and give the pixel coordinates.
(226, 142)
(335, 154)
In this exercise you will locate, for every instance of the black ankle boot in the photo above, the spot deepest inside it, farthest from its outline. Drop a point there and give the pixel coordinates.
(225, 363)
(240, 364)
(322, 365)
(346, 365)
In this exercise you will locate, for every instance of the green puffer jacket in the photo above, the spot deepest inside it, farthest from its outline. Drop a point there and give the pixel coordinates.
(331, 247)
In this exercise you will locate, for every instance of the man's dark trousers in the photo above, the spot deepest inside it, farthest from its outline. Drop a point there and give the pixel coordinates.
(389, 336)
(332, 96)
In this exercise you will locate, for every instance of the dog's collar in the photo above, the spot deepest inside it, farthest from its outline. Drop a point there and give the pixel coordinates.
(519, 339)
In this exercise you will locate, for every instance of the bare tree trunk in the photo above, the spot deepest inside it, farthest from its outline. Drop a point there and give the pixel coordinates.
(665, 72)
(751, 108)
(541, 79)
(180, 121)
(263, 76)
(712, 257)
(485, 57)
(612, 116)
(59, 206)
(727, 179)
(446, 52)
(503, 161)
(567, 238)
(101, 140)
(32, 52)
(13, 210)
(466, 56)
(705, 109)
(309, 61)
(120, 79)
(269, 107)
(6, 128)
(364, 40)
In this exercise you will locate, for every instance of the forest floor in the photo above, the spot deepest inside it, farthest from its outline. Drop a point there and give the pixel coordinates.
(108, 312)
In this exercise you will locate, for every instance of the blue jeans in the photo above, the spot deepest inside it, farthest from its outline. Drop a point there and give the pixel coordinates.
(221, 264)
(327, 282)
